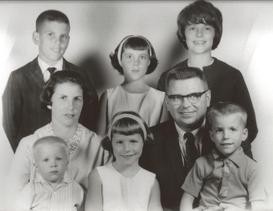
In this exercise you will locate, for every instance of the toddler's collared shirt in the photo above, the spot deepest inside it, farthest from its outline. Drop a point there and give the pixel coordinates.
(66, 196)
(43, 65)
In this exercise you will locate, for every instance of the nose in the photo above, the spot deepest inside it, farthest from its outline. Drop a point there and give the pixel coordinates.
(126, 147)
(136, 61)
(185, 102)
(70, 104)
(226, 134)
(53, 163)
(199, 32)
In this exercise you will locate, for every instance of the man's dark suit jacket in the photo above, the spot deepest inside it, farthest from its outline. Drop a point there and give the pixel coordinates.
(163, 157)
(22, 110)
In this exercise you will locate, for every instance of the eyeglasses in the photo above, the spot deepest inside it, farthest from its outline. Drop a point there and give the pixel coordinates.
(193, 98)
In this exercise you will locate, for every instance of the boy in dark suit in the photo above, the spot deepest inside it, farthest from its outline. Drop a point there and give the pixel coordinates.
(22, 109)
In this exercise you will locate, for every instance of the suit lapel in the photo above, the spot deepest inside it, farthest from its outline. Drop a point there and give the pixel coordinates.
(174, 152)
(35, 73)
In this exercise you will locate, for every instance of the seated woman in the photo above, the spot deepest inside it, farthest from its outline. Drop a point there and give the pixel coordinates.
(63, 95)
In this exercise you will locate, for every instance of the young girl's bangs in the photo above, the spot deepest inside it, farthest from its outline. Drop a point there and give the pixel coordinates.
(126, 126)
(136, 43)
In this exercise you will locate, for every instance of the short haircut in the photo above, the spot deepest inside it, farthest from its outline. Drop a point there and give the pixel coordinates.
(225, 108)
(197, 12)
(51, 15)
(182, 73)
(135, 42)
(127, 123)
(60, 77)
(52, 140)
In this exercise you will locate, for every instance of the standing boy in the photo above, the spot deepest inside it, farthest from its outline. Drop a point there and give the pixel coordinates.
(225, 179)
(22, 109)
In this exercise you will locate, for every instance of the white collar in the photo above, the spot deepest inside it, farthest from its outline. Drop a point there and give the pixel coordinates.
(181, 132)
(43, 65)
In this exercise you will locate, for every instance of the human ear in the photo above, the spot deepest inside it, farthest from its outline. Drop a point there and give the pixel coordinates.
(208, 97)
(211, 135)
(35, 37)
(245, 134)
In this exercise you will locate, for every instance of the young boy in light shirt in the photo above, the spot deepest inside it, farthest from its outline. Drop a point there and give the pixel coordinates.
(50, 188)
(225, 179)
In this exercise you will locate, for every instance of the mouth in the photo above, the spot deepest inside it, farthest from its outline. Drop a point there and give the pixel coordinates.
(226, 145)
(201, 42)
(187, 114)
(54, 172)
(70, 116)
(135, 70)
(128, 156)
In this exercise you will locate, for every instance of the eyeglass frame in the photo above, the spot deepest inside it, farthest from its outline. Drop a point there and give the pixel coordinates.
(181, 98)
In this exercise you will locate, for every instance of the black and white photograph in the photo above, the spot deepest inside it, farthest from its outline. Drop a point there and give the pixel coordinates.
(136, 105)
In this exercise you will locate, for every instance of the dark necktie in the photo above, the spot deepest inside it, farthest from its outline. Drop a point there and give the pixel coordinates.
(51, 70)
(191, 151)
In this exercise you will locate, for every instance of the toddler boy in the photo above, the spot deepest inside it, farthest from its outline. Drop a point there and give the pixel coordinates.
(50, 188)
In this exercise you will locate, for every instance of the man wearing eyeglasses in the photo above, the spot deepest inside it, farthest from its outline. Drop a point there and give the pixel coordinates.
(181, 140)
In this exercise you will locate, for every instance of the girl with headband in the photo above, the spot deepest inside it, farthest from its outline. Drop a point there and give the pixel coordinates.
(123, 185)
(134, 57)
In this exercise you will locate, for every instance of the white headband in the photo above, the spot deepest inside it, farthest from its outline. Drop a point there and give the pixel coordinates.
(130, 116)
(125, 39)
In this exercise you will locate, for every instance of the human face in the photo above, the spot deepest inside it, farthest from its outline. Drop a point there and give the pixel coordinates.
(199, 38)
(51, 162)
(52, 39)
(67, 102)
(127, 149)
(186, 114)
(134, 63)
(228, 132)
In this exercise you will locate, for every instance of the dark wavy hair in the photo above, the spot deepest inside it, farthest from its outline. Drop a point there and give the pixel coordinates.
(60, 77)
(197, 12)
(138, 43)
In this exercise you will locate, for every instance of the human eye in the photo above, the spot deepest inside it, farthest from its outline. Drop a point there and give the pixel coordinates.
(191, 27)
(174, 98)
(59, 158)
(45, 160)
(118, 142)
(233, 129)
(64, 37)
(218, 130)
(134, 141)
(79, 99)
(63, 97)
(50, 35)
(128, 56)
(194, 96)
(144, 57)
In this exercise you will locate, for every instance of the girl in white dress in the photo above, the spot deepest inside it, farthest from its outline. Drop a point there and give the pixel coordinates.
(134, 57)
(123, 185)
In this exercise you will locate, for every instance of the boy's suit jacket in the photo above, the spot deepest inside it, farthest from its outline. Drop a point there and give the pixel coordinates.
(22, 110)
(163, 157)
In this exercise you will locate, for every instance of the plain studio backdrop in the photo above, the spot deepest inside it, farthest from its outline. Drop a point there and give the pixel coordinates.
(98, 26)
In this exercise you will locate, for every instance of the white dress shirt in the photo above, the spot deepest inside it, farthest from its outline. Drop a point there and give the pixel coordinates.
(43, 65)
